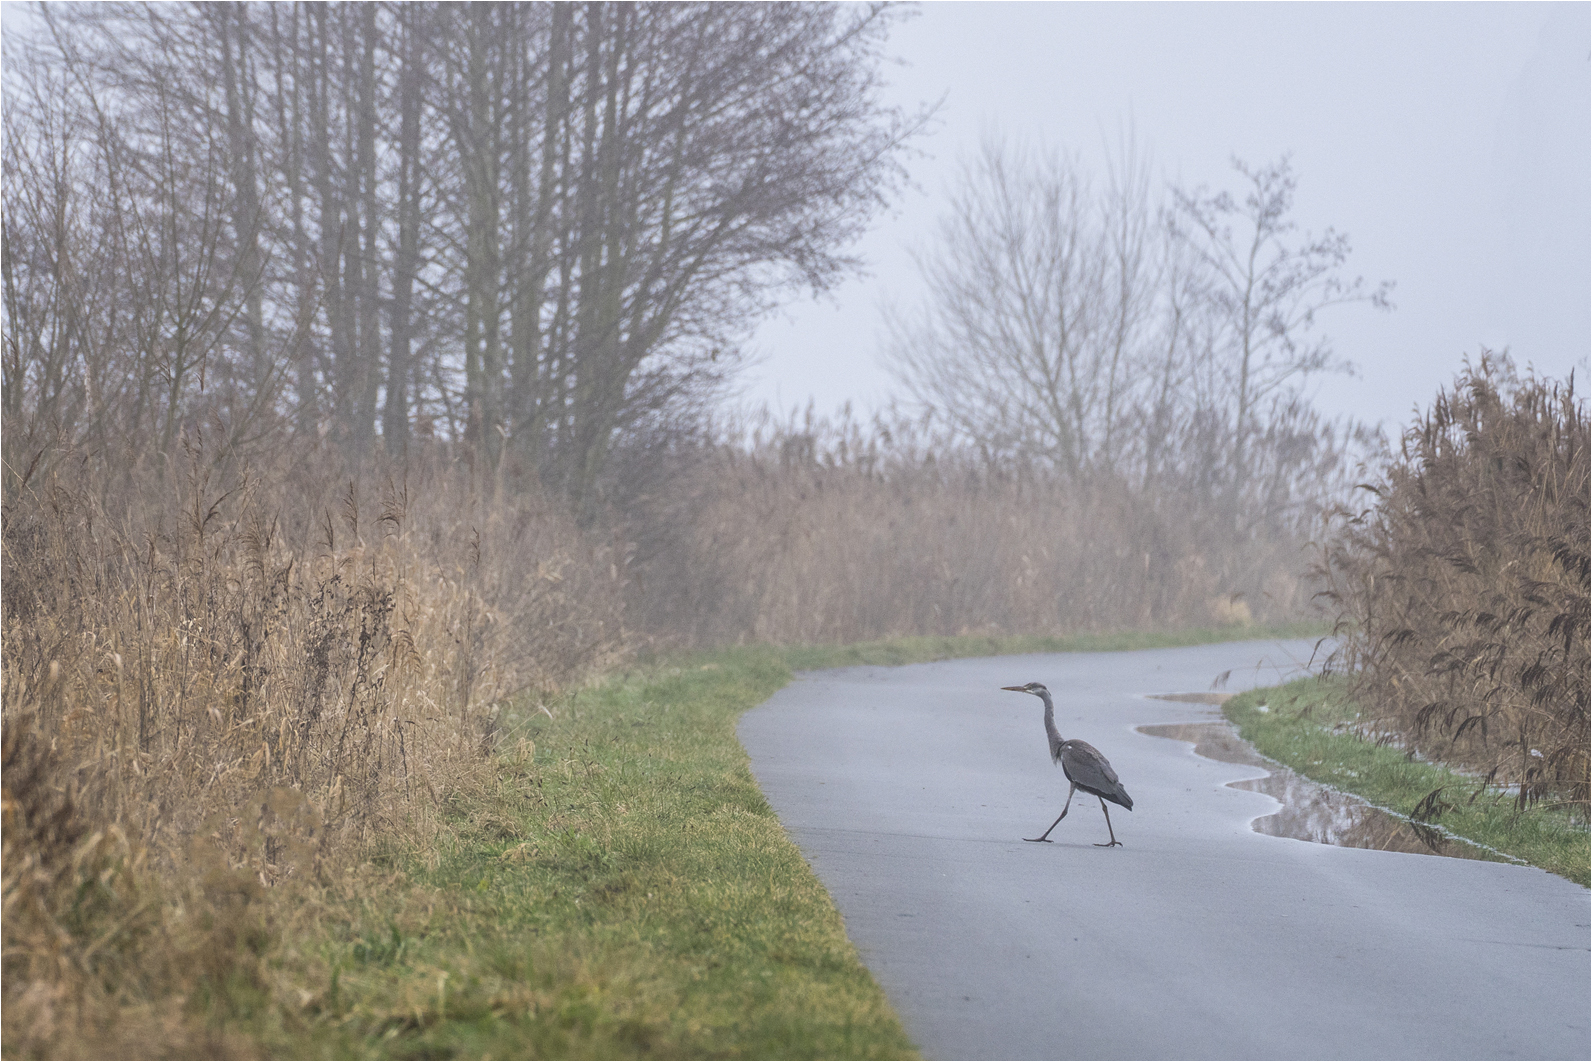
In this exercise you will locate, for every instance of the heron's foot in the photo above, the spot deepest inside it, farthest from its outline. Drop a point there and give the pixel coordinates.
(1112, 844)
(1045, 839)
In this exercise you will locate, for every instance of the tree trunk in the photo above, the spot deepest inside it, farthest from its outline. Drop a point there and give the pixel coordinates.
(232, 23)
(331, 214)
(395, 413)
(367, 376)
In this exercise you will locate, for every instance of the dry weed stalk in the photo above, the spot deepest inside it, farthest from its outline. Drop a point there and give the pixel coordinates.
(1464, 591)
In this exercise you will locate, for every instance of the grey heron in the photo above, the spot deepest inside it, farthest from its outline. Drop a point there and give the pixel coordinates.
(1083, 765)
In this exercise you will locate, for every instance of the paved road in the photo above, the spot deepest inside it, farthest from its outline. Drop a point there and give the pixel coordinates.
(909, 788)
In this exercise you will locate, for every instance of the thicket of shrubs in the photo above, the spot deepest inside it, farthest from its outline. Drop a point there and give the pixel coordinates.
(1464, 588)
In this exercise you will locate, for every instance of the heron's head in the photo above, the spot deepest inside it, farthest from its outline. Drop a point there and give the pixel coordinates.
(1036, 688)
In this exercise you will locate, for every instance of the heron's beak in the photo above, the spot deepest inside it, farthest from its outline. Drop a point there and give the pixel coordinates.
(1015, 689)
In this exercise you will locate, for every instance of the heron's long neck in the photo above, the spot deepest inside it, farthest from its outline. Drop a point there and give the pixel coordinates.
(1050, 727)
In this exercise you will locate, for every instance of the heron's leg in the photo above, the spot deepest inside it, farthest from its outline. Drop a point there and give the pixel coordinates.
(1046, 835)
(1114, 842)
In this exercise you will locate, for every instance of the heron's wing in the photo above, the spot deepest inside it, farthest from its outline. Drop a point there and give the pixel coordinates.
(1084, 765)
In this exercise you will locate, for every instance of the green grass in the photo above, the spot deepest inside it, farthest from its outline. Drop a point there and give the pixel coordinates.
(1311, 725)
(619, 889)
(623, 891)
(924, 649)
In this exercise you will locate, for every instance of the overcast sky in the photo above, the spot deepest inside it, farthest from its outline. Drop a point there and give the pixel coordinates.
(1450, 141)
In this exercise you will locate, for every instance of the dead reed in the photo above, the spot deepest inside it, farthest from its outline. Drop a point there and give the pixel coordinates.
(1464, 589)
(831, 532)
(217, 673)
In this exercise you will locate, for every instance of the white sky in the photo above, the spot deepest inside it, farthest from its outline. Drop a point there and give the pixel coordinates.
(1450, 141)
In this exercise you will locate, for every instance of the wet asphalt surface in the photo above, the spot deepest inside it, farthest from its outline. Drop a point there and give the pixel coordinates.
(909, 789)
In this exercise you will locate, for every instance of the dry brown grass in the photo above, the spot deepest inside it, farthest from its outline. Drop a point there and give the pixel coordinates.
(218, 679)
(1465, 589)
(832, 534)
(104, 957)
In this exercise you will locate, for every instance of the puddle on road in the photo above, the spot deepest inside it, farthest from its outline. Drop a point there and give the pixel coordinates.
(1311, 811)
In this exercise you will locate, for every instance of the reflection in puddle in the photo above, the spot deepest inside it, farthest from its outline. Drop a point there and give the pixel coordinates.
(1310, 811)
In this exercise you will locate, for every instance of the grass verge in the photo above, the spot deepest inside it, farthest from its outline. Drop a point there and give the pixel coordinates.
(923, 649)
(626, 890)
(1314, 728)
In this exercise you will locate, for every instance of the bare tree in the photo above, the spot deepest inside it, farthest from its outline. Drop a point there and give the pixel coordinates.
(546, 224)
(56, 255)
(124, 218)
(692, 163)
(1103, 333)
(1038, 297)
(1265, 290)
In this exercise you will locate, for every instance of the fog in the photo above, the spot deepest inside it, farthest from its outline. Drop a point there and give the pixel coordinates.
(1450, 141)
